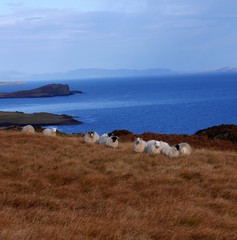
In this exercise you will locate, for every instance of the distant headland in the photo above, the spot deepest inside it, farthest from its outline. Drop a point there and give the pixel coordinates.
(36, 119)
(50, 90)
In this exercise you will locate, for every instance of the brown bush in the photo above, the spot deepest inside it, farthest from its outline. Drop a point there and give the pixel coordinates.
(61, 188)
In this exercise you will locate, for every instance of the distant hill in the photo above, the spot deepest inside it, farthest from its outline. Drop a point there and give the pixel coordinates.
(89, 73)
(101, 73)
(224, 70)
(83, 74)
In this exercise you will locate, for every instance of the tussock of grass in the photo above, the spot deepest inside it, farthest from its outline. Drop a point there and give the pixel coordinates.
(61, 188)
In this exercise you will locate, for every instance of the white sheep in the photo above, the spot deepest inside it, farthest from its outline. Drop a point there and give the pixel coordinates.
(153, 147)
(139, 145)
(170, 151)
(104, 137)
(50, 132)
(112, 142)
(28, 129)
(184, 149)
(91, 137)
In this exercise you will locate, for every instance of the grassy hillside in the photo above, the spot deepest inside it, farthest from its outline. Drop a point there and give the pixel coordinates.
(61, 188)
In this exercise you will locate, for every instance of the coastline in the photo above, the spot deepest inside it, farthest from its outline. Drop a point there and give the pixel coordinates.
(8, 119)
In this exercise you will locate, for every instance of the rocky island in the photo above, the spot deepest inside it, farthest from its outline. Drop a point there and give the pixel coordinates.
(35, 119)
(50, 90)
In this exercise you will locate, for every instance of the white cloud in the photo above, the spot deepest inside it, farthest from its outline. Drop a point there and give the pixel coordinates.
(136, 33)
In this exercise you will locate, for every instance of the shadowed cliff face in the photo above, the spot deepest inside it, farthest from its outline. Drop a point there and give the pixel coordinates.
(50, 90)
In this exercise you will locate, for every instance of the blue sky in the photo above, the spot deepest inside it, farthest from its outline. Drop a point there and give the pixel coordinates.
(55, 36)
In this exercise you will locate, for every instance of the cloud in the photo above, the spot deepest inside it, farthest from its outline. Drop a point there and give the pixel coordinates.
(136, 33)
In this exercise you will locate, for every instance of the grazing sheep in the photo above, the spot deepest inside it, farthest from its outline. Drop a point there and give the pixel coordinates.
(184, 149)
(112, 142)
(153, 147)
(28, 129)
(50, 132)
(170, 151)
(139, 145)
(91, 137)
(104, 137)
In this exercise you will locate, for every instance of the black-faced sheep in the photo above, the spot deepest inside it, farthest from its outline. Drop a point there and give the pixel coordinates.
(104, 137)
(112, 142)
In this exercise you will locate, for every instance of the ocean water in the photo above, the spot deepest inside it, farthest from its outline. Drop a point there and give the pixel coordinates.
(170, 104)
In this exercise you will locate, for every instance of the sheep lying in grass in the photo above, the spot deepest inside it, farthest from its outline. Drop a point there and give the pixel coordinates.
(50, 132)
(139, 145)
(91, 137)
(170, 151)
(153, 147)
(112, 142)
(184, 149)
(104, 137)
(28, 129)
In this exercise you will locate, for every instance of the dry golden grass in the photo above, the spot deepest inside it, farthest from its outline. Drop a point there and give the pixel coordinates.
(60, 188)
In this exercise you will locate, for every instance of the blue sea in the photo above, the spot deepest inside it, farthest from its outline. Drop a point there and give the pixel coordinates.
(165, 104)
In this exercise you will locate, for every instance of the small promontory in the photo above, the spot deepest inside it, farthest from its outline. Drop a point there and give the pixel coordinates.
(8, 119)
(50, 90)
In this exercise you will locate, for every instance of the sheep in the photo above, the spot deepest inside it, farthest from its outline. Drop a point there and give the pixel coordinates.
(91, 137)
(170, 151)
(112, 142)
(50, 132)
(28, 129)
(184, 149)
(153, 147)
(139, 145)
(104, 137)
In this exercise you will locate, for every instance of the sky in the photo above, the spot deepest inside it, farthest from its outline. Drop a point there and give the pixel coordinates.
(45, 36)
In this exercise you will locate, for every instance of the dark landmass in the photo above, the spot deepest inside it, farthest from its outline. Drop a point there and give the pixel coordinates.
(8, 119)
(50, 90)
(222, 132)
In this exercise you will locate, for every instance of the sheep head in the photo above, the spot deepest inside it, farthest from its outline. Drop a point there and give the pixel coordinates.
(157, 144)
(114, 138)
(137, 140)
(176, 147)
(110, 134)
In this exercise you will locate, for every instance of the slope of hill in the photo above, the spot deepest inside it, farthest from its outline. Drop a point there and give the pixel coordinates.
(60, 188)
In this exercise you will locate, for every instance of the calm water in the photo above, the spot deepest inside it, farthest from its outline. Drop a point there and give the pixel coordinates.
(174, 104)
